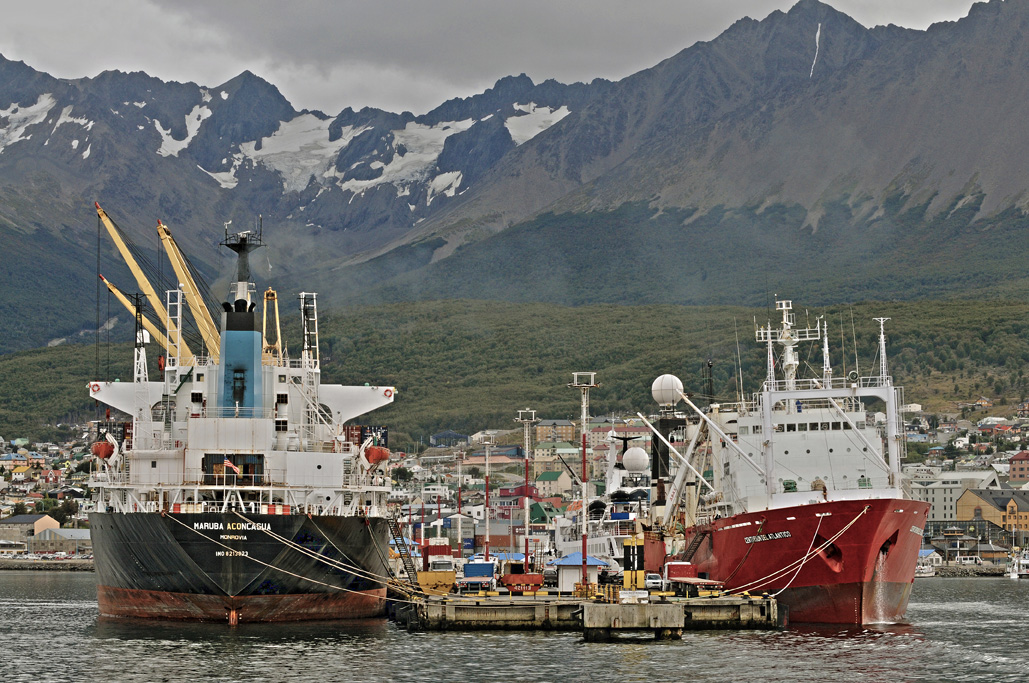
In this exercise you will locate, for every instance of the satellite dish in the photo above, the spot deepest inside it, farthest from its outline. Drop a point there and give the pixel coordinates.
(666, 390)
(636, 459)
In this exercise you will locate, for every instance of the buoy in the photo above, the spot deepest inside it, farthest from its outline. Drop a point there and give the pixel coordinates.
(388, 393)
(94, 387)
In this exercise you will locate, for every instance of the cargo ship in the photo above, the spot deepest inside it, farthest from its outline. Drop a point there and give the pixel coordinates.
(236, 490)
(803, 496)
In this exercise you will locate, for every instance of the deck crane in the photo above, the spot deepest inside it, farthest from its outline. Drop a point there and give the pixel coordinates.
(183, 353)
(201, 314)
(154, 330)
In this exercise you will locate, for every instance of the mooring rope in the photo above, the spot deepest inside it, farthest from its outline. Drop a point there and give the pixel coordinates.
(765, 580)
(279, 569)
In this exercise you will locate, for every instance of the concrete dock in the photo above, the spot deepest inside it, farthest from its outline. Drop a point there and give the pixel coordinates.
(668, 619)
(598, 620)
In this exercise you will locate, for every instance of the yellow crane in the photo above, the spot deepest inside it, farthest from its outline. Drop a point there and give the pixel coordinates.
(153, 329)
(272, 353)
(184, 354)
(201, 314)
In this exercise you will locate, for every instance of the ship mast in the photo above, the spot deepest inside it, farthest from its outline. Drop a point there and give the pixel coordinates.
(788, 337)
(884, 374)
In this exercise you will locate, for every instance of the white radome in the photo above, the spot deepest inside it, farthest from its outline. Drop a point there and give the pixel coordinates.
(636, 459)
(666, 390)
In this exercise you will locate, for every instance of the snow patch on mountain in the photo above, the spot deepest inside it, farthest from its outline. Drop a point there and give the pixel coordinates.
(66, 117)
(422, 145)
(445, 184)
(170, 147)
(300, 149)
(20, 118)
(534, 121)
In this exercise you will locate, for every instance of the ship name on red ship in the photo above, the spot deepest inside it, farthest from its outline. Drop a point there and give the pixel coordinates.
(774, 536)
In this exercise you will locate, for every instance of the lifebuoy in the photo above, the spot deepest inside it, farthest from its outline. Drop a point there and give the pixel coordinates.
(388, 393)
(94, 387)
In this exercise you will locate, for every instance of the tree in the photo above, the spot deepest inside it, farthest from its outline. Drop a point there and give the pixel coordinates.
(19, 509)
(402, 474)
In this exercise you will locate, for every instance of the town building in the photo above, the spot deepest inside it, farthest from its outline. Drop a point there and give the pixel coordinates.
(557, 483)
(556, 430)
(70, 541)
(944, 490)
(21, 528)
(1018, 468)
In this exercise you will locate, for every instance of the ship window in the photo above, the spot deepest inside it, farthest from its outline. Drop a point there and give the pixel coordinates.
(813, 426)
(743, 431)
(860, 425)
(837, 426)
(200, 377)
(777, 428)
(153, 464)
(846, 425)
(196, 397)
(791, 427)
(757, 429)
(802, 427)
(825, 426)
(282, 398)
(281, 426)
(282, 379)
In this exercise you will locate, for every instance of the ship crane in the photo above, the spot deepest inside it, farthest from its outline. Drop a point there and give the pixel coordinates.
(201, 314)
(178, 350)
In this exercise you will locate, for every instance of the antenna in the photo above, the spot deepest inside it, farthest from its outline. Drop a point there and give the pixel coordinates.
(739, 362)
(853, 334)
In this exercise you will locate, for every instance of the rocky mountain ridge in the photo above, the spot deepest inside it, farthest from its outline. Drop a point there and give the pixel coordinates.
(800, 151)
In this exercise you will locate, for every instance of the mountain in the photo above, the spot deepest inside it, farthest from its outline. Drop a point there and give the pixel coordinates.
(800, 153)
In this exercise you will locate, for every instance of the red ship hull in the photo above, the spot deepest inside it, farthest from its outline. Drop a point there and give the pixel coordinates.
(862, 575)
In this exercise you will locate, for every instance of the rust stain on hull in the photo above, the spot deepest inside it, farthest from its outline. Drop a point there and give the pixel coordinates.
(126, 602)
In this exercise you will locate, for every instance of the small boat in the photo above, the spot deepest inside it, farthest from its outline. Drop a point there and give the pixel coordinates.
(924, 570)
(1018, 564)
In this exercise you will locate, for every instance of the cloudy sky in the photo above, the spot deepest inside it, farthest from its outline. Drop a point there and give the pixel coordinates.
(393, 54)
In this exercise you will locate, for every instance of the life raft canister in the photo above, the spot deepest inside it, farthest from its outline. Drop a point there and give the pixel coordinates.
(376, 454)
(103, 449)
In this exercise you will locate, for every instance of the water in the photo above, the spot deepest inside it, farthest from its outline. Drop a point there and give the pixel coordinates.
(959, 630)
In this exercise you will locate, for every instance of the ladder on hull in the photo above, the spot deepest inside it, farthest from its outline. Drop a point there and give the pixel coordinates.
(405, 554)
(694, 545)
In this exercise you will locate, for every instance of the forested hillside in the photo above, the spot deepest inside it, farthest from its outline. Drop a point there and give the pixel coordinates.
(469, 365)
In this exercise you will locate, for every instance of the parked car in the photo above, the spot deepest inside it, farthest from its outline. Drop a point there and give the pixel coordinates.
(550, 576)
(653, 582)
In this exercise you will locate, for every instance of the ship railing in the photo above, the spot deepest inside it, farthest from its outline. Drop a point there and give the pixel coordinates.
(834, 383)
(260, 413)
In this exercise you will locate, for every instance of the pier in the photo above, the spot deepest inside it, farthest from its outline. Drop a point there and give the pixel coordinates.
(598, 620)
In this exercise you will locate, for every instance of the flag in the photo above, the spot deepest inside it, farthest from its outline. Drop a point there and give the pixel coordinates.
(228, 465)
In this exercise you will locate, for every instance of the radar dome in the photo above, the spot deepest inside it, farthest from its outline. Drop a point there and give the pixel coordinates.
(636, 460)
(666, 390)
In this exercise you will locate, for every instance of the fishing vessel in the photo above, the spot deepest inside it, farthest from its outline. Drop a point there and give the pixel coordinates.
(235, 490)
(806, 500)
(612, 518)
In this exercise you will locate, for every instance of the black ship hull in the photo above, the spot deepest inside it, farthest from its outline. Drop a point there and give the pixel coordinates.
(239, 567)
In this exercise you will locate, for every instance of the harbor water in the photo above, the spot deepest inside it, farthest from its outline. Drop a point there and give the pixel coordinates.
(958, 630)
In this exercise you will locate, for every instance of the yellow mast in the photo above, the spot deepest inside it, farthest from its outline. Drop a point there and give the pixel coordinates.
(202, 316)
(272, 352)
(184, 354)
(153, 329)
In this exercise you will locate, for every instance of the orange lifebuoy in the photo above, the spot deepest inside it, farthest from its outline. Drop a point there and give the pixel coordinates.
(388, 393)
(94, 387)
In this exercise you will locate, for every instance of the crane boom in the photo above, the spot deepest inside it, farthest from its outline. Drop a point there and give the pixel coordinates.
(201, 314)
(150, 327)
(155, 301)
